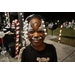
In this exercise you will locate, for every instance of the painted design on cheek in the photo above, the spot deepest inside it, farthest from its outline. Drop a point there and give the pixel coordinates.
(29, 36)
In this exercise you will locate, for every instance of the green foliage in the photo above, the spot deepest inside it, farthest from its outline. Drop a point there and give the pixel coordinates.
(67, 36)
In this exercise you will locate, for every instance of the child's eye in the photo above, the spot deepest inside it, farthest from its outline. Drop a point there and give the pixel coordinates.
(40, 31)
(31, 31)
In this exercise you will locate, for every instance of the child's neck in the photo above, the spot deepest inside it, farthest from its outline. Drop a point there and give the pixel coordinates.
(39, 48)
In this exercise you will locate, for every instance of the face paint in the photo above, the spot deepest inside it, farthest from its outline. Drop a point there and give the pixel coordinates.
(36, 30)
(30, 28)
(35, 23)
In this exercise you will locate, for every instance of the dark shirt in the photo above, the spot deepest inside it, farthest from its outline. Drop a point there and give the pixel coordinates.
(47, 54)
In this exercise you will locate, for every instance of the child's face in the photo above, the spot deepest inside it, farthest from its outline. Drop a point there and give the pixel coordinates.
(35, 32)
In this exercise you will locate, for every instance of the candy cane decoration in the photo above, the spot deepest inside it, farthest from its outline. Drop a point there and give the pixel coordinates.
(17, 36)
(13, 24)
(60, 33)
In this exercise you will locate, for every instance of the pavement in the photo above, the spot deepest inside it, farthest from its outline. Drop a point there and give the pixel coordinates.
(65, 53)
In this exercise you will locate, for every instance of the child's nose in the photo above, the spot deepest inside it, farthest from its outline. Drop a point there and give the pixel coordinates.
(36, 34)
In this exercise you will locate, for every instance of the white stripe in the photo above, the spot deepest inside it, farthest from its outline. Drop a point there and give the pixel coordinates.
(17, 36)
(17, 23)
(16, 56)
(59, 34)
(17, 40)
(17, 48)
(16, 52)
(17, 44)
(61, 26)
(15, 20)
(17, 27)
(60, 30)
(59, 38)
(17, 32)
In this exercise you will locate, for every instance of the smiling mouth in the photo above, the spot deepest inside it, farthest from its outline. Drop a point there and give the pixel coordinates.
(36, 39)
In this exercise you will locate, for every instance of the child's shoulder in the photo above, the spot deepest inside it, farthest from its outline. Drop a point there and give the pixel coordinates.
(49, 45)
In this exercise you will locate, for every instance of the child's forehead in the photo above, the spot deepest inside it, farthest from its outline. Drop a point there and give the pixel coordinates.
(35, 22)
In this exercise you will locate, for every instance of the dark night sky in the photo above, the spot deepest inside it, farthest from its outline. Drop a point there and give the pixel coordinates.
(51, 16)
(54, 15)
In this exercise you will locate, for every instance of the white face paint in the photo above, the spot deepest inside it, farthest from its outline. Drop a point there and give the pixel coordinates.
(30, 28)
(41, 28)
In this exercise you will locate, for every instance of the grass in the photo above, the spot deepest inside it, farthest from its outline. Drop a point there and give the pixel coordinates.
(67, 36)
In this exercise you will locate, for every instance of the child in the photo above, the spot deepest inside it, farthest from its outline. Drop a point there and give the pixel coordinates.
(37, 51)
